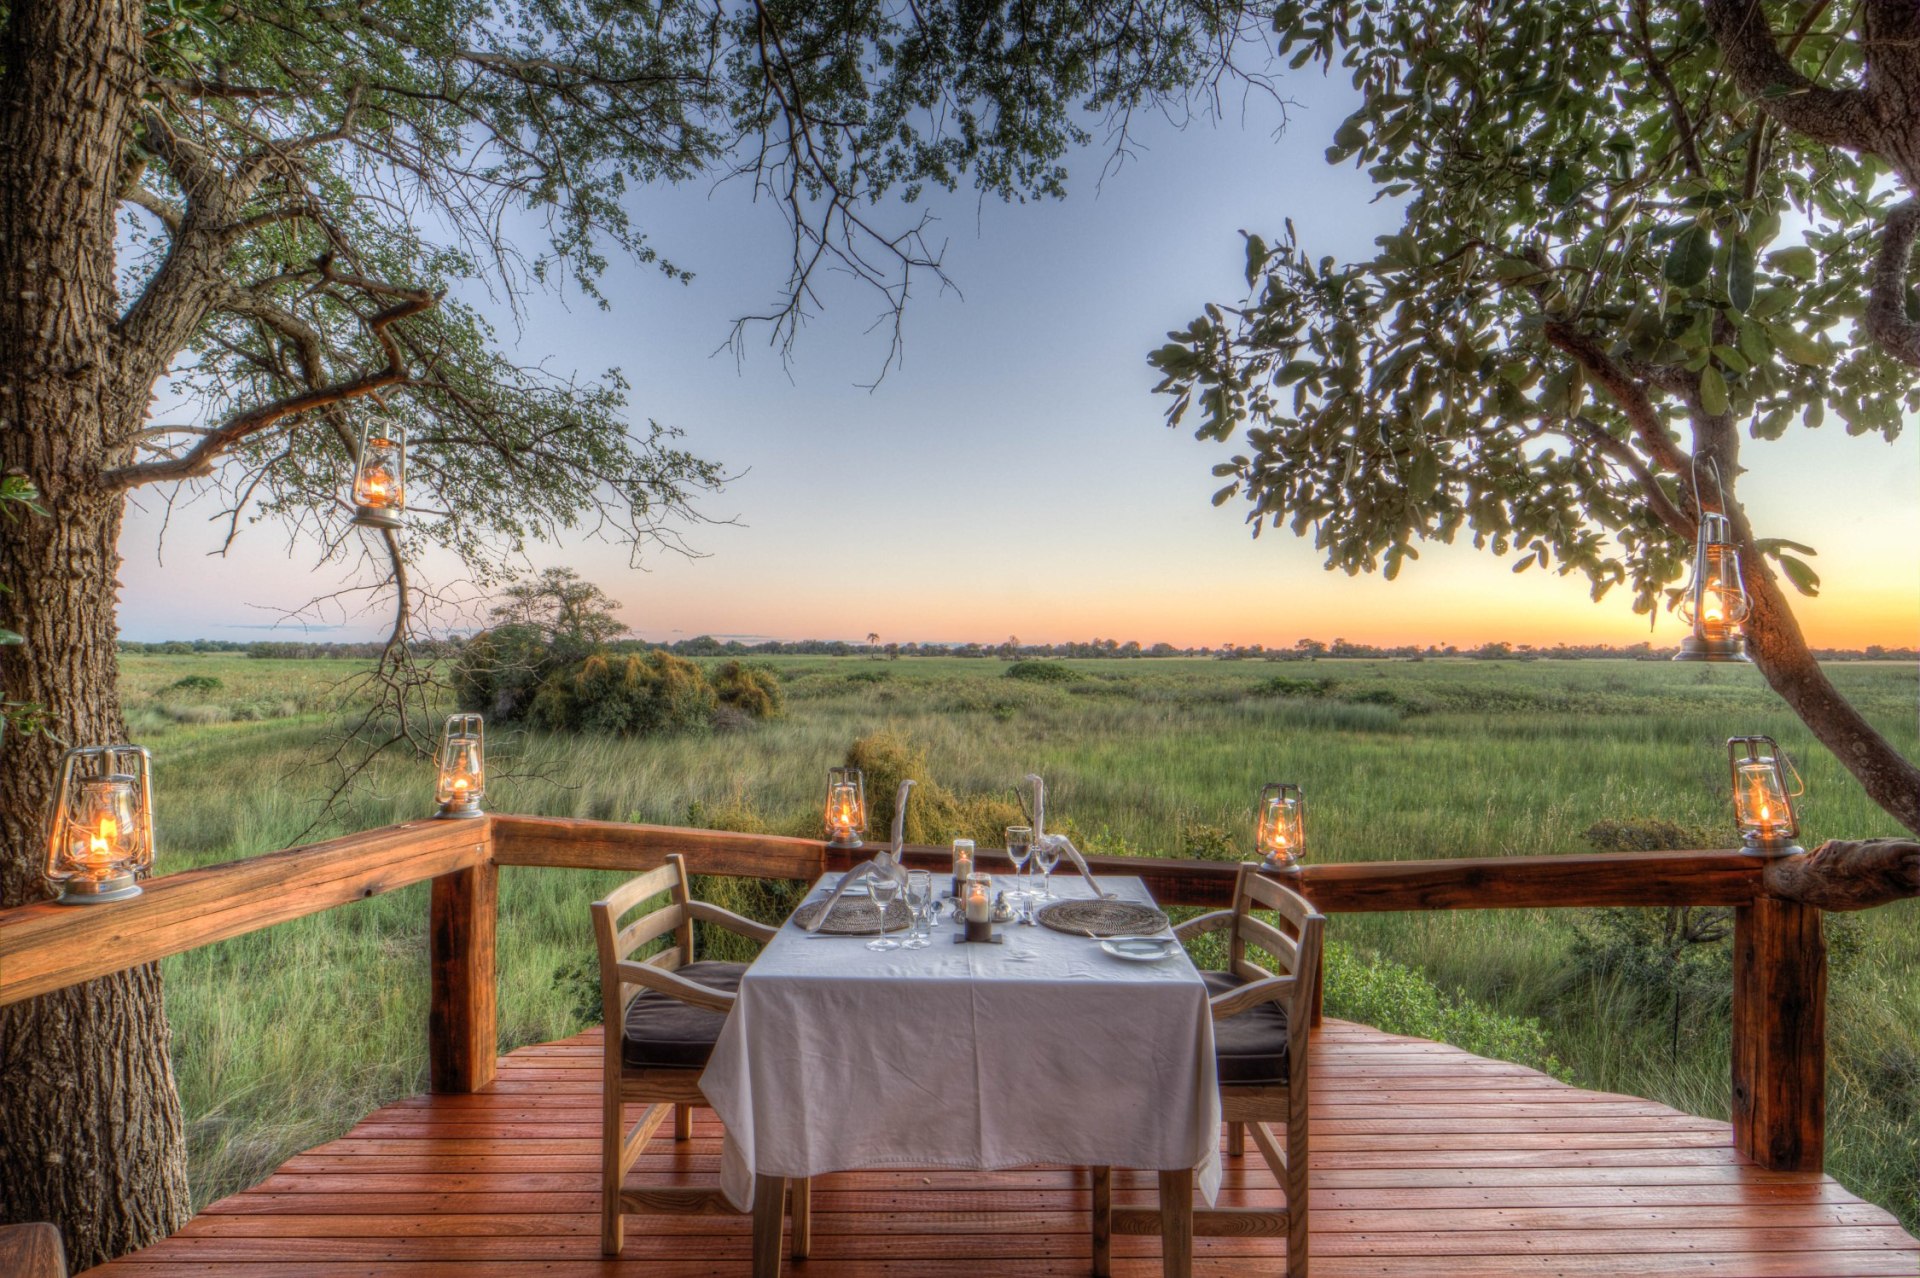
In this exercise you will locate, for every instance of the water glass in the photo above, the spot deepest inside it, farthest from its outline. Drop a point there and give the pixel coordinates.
(920, 902)
(1046, 855)
(883, 888)
(1020, 849)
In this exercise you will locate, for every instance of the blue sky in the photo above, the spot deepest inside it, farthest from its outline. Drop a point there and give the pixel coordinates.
(1013, 474)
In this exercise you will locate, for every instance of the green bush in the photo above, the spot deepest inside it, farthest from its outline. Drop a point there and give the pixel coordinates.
(195, 683)
(1286, 686)
(500, 671)
(753, 689)
(1044, 672)
(935, 814)
(641, 694)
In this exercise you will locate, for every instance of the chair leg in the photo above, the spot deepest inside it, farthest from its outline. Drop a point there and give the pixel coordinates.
(612, 1232)
(1102, 1222)
(1176, 1223)
(1236, 1139)
(683, 1122)
(769, 1209)
(802, 1210)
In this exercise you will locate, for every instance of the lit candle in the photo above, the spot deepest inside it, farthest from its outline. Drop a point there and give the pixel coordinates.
(978, 907)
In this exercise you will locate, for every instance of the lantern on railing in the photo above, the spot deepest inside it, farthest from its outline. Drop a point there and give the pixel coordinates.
(102, 827)
(463, 766)
(846, 811)
(1280, 834)
(1716, 603)
(1762, 797)
(380, 477)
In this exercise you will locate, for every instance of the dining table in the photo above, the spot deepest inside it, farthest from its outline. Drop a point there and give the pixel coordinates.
(1040, 1048)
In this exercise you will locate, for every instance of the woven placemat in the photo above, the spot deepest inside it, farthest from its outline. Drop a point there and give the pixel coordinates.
(851, 917)
(1102, 918)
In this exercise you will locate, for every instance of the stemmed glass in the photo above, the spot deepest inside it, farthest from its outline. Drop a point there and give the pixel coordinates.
(883, 888)
(1020, 851)
(920, 903)
(1046, 855)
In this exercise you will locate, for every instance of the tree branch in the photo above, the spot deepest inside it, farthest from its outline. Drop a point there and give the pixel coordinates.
(1837, 117)
(1848, 875)
(1887, 322)
(200, 459)
(1625, 391)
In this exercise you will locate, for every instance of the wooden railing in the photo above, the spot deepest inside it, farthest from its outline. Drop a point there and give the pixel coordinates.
(1779, 986)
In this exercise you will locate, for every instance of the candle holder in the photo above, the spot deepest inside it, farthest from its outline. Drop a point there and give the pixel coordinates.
(976, 909)
(846, 809)
(102, 826)
(463, 772)
(1762, 798)
(380, 478)
(963, 862)
(1280, 832)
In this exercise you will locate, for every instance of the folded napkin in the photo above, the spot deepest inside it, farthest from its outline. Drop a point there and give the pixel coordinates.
(1063, 844)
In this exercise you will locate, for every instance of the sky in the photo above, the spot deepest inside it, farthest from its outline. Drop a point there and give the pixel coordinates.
(1013, 474)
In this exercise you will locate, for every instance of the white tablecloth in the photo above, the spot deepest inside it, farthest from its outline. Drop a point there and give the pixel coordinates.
(1043, 1049)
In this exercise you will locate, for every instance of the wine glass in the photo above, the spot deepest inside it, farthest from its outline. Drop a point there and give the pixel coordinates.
(920, 903)
(881, 889)
(1020, 851)
(1046, 855)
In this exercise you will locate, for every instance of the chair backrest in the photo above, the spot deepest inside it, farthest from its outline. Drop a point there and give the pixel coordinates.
(1293, 941)
(616, 942)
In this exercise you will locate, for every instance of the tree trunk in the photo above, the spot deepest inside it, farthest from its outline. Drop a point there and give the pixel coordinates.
(1780, 650)
(90, 1129)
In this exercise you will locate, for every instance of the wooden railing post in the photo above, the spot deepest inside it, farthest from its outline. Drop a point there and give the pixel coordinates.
(461, 1017)
(1780, 1034)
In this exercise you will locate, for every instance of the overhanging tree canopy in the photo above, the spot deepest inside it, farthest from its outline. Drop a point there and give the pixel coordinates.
(1622, 259)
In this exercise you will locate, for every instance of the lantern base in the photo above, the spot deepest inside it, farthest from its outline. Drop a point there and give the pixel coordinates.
(1273, 864)
(459, 810)
(377, 517)
(1771, 849)
(846, 841)
(119, 887)
(1698, 648)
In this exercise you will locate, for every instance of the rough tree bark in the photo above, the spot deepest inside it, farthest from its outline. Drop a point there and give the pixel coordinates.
(90, 1127)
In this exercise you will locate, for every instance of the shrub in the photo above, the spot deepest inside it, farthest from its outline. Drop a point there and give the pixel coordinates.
(1286, 686)
(500, 671)
(879, 674)
(935, 814)
(1044, 672)
(752, 689)
(194, 683)
(641, 694)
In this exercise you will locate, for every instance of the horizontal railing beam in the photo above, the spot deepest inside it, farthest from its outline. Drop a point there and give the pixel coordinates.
(1531, 882)
(48, 946)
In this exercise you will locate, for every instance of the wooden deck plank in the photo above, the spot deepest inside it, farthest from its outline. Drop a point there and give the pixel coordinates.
(1427, 1161)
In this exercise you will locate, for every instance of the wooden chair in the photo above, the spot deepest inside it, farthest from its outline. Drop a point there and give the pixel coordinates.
(663, 1015)
(1262, 1020)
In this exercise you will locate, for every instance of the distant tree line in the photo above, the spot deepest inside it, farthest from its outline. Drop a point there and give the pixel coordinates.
(1009, 650)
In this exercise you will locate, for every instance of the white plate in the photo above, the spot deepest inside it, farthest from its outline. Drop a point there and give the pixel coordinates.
(1141, 949)
(857, 890)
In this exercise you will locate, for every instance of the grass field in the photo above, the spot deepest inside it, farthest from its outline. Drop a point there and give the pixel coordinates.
(283, 1038)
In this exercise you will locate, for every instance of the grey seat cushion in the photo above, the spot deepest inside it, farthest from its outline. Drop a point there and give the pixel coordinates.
(661, 1032)
(1250, 1047)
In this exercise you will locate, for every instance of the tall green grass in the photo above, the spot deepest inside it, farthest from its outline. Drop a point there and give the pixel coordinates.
(284, 1038)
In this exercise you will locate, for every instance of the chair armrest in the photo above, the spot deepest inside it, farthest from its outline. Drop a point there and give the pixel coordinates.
(661, 981)
(1234, 1002)
(719, 917)
(1212, 921)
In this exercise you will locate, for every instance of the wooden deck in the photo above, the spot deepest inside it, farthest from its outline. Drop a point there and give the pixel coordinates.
(1427, 1162)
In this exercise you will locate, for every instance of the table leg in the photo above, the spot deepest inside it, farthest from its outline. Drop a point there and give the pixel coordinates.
(802, 1217)
(1102, 1222)
(1176, 1223)
(769, 1209)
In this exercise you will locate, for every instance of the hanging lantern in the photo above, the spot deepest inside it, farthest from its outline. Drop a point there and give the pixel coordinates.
(380, 478)
(102, 835)
(846, 812)
(1280, 835)
(1716, 603)
(1762, 797)
(463, 766)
